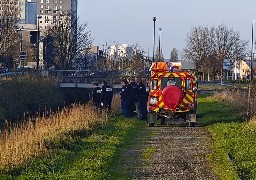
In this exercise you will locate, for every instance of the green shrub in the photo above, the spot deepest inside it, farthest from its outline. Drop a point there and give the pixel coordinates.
(27, 96)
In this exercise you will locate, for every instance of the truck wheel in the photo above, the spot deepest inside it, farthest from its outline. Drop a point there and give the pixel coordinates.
(192, 124)
(162, 120)
(152, 117)
(151, 124)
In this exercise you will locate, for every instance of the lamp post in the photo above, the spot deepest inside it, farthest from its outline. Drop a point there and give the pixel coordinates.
(154, 38)
(160, 29)
(38, 37)
(21, 46)
(252, 48)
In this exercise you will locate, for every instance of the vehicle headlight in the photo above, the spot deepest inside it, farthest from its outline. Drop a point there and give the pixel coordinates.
(153, 100)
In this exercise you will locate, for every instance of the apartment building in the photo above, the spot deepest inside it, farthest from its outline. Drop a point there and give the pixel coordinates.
(50, 11)
(122, 50)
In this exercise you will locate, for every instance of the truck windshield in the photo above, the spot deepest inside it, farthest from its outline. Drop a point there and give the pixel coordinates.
(168, 81)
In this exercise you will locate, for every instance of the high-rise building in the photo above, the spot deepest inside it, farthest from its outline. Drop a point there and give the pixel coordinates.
(49, 11)
(31, 13)
(22, 9)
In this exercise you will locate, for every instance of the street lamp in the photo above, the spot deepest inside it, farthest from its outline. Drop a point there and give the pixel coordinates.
(154, 20)
(38, 37)
(252, 50)
(160, 29)
(21, 47)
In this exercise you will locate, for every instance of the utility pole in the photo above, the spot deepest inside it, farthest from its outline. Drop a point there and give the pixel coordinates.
(252, 49)
(38, 39)
(154, 39)
(160, 29)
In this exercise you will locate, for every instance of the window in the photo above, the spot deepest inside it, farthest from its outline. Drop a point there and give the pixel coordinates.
(188, 84)
(55, 7)
(42, 6)
(154, 84)
(46, 1)
(42, 1)
(55, 1)
(60, 1)
(170, 81)
(60, 7)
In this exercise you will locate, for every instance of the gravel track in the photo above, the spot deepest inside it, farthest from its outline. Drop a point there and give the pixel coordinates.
(178, 153)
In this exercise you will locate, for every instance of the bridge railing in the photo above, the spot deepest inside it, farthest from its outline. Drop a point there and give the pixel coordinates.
(85, 76)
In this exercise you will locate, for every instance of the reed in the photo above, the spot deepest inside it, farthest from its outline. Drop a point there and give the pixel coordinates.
(20, 142)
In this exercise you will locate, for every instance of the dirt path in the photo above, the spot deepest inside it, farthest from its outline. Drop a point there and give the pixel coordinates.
(177, 153)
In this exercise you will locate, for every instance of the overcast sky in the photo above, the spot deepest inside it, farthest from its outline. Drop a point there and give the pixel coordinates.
(130, 21)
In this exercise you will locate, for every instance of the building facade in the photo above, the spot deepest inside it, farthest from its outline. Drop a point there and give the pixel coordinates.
(31, 13)
(122, 50)
(50, 11)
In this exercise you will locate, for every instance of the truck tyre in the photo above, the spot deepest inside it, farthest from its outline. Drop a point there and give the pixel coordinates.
(162, 120)
(192, 124)
(152, 117)
(151, 124)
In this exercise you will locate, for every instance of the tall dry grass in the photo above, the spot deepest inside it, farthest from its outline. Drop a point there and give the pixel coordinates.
(27, 139)
(116, 103)
(240, 101)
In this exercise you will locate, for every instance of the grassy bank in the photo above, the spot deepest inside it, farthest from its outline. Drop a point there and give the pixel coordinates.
(82, 154)
(26, 96)
(231, 136)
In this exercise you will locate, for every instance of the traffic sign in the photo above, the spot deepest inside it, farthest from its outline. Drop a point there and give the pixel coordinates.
(23, 55)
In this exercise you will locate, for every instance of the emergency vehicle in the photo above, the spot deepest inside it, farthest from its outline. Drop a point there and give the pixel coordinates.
(173, 93)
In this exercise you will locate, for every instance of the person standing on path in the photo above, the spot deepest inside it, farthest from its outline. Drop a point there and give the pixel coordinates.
(132, 97)
(124, 98)
(106, 96)
(96, 96)
(142, 101)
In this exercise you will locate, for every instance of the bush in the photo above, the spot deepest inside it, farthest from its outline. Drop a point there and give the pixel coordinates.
(28, 96)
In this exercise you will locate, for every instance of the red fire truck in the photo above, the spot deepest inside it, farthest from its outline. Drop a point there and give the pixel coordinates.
(173, 93)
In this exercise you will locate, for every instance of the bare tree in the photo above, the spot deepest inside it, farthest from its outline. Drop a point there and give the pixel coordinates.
(159, 55)
(9, 37)
(174, 55)
(136, 65)
(208, 47)
(68, 41)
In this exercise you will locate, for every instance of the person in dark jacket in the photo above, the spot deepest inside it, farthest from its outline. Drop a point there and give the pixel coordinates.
(106, 96)
(142, 101)
(96, 95)
(133, 97)
(124, 98)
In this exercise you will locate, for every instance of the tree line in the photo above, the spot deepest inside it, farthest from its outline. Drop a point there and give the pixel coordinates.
(209, 46)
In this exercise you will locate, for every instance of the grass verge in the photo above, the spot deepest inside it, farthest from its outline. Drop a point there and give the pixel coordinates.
(82, 154)
(230, 135)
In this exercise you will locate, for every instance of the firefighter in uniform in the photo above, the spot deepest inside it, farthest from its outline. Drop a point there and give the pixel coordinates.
(142, 101)
(132, 97)
(96, 95)
(124, 98)
(106, 96)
